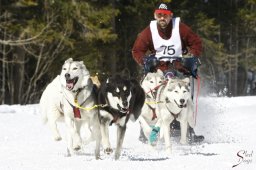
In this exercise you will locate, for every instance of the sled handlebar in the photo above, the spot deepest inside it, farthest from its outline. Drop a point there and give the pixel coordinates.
(170, 58)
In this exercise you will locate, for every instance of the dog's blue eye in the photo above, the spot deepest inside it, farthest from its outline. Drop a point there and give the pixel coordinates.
(176, 91)
(64, 69)
(75, 68)
(184, 91)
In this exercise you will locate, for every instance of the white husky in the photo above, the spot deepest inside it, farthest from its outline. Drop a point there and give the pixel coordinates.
(151, 83)
(61, 98)
(176, 104)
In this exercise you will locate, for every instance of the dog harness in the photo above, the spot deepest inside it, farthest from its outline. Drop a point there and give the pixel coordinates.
(77, 113)
(76, 110)
(154, 112)
(151, 91)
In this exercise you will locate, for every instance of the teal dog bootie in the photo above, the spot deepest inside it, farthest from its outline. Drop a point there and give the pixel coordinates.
(153, 134)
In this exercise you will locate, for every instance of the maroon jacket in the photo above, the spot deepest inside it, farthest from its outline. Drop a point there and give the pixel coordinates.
(191, 43)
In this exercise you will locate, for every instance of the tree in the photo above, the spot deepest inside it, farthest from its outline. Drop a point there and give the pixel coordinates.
(48, 32)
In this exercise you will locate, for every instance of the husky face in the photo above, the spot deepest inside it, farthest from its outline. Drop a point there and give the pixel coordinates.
(178, 91)
(74, 74)
(151, 83)
(119, 94)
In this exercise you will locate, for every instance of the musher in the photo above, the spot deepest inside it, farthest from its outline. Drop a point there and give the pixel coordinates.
(169, 45)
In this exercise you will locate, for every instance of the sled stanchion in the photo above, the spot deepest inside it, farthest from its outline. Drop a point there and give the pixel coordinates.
(197, 94)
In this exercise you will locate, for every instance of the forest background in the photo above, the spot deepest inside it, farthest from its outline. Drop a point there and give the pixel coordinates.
(37, 36)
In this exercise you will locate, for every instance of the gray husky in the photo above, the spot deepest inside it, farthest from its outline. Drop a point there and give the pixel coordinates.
(148, 118)
(176, 104)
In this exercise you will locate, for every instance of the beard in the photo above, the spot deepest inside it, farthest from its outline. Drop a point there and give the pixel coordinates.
(163, 24)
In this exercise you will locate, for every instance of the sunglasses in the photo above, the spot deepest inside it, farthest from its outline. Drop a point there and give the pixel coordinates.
(160, 15)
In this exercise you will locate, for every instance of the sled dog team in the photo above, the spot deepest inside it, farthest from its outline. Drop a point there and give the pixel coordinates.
(88, 110)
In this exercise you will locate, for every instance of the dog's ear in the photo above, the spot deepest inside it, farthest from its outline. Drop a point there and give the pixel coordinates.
(81, 62)
(107, 81)
(69, 60)
(82, 66)
(160, 72)
(172, 80)
(148, 77)
(186, 80)
(107, 86)
(126, 74)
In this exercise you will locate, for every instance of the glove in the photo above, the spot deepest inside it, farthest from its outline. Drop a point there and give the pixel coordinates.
(179, 66)
(153, 134)
(150, 63)
(192, 64)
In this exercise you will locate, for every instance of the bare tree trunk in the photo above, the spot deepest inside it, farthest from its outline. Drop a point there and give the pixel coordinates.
(4, 67)
(236, 57)
(230, 87)
(19, 74)
(113, 60)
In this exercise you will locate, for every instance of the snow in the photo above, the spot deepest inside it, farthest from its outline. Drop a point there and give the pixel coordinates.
(228, 124)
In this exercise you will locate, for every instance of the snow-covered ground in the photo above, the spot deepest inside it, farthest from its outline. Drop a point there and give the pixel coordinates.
(229, 126)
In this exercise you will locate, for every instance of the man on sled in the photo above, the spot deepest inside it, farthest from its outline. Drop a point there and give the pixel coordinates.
(174, 48)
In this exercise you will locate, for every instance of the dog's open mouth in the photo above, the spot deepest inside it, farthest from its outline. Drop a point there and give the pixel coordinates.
(70, 83)
(124, 110)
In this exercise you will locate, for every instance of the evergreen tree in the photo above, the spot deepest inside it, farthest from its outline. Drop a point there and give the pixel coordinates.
(42, 35)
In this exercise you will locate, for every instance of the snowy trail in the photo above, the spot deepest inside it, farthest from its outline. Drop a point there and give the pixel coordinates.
(228, 124)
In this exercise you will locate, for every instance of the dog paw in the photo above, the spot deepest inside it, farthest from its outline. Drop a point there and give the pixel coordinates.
(169, 150)
(68, 154)
(151, 148)
(77, 143)
(57, 138)
(98, 158)
(117, 155)
(153, 144)
(183, 142)
(77, 147)
(108, 151)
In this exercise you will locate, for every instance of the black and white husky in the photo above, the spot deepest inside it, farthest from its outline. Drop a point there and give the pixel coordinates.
(123, 99)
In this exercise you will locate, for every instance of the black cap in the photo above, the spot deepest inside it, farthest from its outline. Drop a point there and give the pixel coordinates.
(163, 8)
